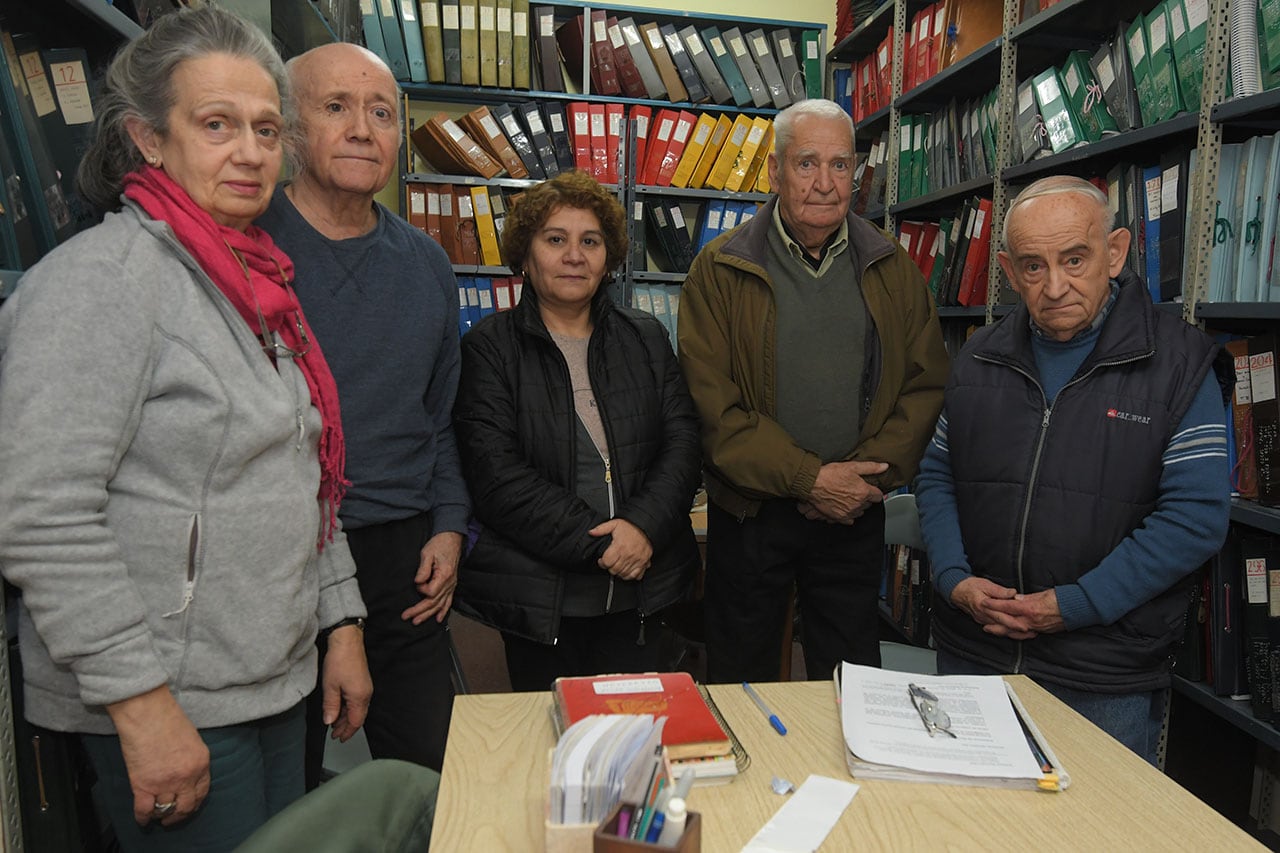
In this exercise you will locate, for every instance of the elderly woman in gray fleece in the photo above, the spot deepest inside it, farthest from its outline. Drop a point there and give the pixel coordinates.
(171, 458)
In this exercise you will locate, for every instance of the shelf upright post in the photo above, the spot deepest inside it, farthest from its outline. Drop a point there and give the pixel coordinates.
(895, 114)
(1208, 148)
(630, 198)
(1006, 128)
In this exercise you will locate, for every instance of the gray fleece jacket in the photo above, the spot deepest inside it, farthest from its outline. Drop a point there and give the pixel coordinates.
(158, 481)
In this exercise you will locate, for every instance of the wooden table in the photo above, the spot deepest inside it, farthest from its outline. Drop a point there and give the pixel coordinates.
(492, 795)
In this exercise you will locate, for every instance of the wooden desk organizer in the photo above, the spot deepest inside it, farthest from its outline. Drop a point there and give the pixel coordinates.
(606, 838)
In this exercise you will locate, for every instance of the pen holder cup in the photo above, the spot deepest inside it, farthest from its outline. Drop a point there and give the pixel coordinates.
(606, 838)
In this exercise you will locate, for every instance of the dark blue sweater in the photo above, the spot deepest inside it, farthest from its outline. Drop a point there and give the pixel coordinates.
(384, 307)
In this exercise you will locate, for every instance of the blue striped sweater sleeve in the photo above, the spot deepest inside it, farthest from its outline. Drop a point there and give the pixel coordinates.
(939, 521)
(1187, 527)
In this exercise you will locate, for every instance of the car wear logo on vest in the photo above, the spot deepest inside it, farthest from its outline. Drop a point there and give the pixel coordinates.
(1128, 416)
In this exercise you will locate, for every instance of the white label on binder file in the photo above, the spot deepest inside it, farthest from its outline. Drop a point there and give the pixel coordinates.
(738, 48)
(813, 49)
(1071, 79)
(717, 46)
(481, 200)
(504, 19)
(407, 10)
(1048, 91)
(547, 24)
(509, 123)
(597, 124)
(581, 123)
(449, 16)
(1176, 24)
(1153, 199)
(417, 204)
(467, 14)
(1026, 99)
(642, 127)
(1197, 13)
(1157, 33)
(754, 137)
(1106, 75)
(73, 91)
(490, 127)
(1137, 46)
(1262, 376)
(598, 27)
(520, 24)
(884, 58)
(487, 17)
(694, 44)
(535, 122)
(387, 9)
(784, 47)
(1255, 577)
(655, 39)
(1169, 190)
(713, 220)
(452, 129)
(905, 143)
(366, 7)
(664, 129)
(677, 217)
(556, 123)
(446, 204)
(637, 212)
(615, 123)
(700, 136)
(37, 83)
(631, 34)
(615, 36)
(429, 13)
(433, 203)
(682, 131)
(761, 46)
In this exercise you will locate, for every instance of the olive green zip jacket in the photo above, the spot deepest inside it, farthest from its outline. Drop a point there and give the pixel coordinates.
(727, 351)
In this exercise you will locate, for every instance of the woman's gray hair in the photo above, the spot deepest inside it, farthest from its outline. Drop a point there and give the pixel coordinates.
(139, 85)
(784, 124)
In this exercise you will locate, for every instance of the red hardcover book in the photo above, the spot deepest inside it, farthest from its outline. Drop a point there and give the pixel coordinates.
(924, 44)
(675, 148)
(659, 139)
(580, 131)
(599, 144)
(691, 731)
(628, 75)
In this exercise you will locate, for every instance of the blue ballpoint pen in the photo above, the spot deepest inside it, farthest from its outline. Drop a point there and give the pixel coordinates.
(773, 718)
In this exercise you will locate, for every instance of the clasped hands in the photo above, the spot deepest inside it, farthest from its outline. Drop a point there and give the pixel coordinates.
(1005, 612)
(840, 495)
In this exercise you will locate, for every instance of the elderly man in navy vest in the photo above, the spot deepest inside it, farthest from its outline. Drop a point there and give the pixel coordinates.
(1078, 473)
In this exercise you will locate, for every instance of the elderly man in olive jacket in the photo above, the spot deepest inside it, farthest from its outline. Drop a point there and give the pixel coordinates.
(812, 349)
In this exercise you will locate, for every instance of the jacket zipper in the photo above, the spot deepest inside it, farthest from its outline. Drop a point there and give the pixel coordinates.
(189, 588)
(608, 487)
(1035, 461)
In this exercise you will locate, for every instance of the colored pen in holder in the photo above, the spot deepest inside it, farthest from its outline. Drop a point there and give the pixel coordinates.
(609, 836)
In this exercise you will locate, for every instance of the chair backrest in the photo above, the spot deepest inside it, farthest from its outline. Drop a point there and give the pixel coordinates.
(901, 521)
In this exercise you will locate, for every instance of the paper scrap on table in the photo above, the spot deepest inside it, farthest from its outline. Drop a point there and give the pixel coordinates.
(802, 823)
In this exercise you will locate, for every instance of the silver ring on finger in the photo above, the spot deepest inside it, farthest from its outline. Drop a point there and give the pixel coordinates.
(164, 809)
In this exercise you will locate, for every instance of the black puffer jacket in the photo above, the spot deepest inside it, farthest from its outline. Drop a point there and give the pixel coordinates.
(517, 434)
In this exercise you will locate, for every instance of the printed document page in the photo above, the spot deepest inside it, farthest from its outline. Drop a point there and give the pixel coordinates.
(881, 724)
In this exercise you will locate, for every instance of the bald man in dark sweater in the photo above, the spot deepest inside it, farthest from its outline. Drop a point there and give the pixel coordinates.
(382, 298)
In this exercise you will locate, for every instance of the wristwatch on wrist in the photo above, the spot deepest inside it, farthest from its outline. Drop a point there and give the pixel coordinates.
(358, 621)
